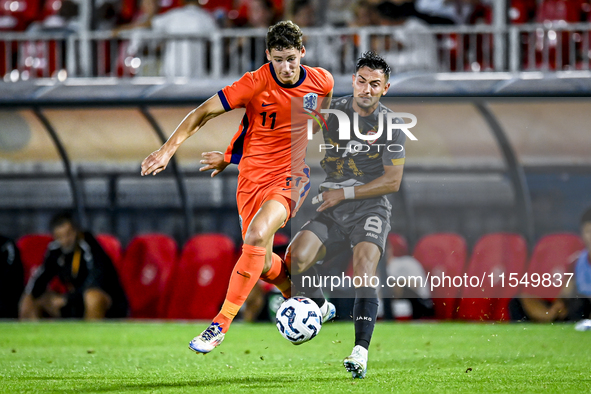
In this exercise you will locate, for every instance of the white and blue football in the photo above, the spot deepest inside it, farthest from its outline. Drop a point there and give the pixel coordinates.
(298, 319)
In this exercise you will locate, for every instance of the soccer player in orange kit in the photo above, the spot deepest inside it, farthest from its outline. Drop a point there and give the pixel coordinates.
(274, 178)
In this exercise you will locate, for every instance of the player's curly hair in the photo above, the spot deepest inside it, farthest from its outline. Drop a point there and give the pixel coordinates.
(375, 62)
(284, 35)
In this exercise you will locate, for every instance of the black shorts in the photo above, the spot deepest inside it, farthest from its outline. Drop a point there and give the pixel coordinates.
(352, 222)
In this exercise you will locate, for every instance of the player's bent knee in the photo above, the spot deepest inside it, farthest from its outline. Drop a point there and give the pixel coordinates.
(256, 236)
(299, 261)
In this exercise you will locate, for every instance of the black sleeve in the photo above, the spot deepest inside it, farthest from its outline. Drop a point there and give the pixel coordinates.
(44, 274)
(11, 278)
(100, 269)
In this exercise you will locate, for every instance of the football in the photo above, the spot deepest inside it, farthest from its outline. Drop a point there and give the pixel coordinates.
(298, 319)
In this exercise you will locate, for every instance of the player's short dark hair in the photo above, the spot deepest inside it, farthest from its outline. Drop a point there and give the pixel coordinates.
(284, 35)
(374, 61)
(61, 219)
(586, 218)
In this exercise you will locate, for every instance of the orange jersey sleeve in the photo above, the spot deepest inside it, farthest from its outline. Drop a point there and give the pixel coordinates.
(239, 94)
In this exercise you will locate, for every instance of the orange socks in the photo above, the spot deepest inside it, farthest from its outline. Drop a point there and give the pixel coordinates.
(277, 275)
(245, 275)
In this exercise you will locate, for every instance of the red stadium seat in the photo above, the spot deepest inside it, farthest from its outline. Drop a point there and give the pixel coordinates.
(146, 268)
(520, 11)
(201, 280)
(16, 15)
(498, 253)
(559, 10)
(552, 255)
(398, 244)
(550, 11)
(443, 253)
(32, 248)
(127, 11)
(112, 247)
(51, 7)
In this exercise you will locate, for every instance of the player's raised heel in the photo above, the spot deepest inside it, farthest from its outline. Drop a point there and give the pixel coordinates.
(356, 363)
(331, 312)
(208, 339)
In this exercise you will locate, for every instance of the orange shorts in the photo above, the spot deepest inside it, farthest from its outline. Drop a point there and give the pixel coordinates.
(289, 191)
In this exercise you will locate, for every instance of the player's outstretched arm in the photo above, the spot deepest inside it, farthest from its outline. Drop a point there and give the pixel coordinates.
(386, 184)
(213, 161)
(158, 160)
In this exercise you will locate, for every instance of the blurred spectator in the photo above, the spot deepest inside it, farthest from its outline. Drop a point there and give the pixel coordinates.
(185, 57)
(11, 278)
(410, 301)
(456, 11)
(64, 19)
(83, 267)
(338, 13)
(574, 301)
(260, 13)
(141, 19)
(303, 13)
(105, 16)
(365, 14)
(411, 46)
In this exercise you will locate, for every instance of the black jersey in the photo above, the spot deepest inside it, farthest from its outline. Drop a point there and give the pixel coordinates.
(356, 161)
(11, 278)
(87, 266)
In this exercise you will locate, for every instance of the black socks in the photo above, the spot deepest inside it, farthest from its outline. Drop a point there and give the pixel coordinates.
(365, 313)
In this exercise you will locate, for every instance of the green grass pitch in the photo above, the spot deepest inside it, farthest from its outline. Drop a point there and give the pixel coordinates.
(146, 357)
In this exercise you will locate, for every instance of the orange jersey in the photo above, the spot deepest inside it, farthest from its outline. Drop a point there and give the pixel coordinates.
(269, 143)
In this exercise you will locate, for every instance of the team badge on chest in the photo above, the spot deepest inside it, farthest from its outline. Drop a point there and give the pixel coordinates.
(311, 101)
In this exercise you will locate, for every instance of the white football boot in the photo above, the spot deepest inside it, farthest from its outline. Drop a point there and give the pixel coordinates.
(208, 339)
(356, 363)
(328, 311)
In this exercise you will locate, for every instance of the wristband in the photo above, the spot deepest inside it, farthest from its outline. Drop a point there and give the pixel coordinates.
(349, 193)
(317, 199)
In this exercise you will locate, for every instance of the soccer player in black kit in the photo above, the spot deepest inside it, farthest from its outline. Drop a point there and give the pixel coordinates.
(93, 290)
(354, 210)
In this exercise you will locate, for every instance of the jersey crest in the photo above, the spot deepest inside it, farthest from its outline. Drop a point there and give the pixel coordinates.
(311, 101)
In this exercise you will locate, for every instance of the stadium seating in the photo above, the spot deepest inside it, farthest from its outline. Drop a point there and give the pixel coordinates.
(442, 253)
(552, 254)
(145, 270)
(398, 244)
(552, 11)
(32, 248)
(559, 10)
(16, 15)
(112, 247)
(201, 279)
(495, 253)
(521, 10)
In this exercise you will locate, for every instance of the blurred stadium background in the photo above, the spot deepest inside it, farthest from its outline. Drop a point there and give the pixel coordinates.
(500, 90)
